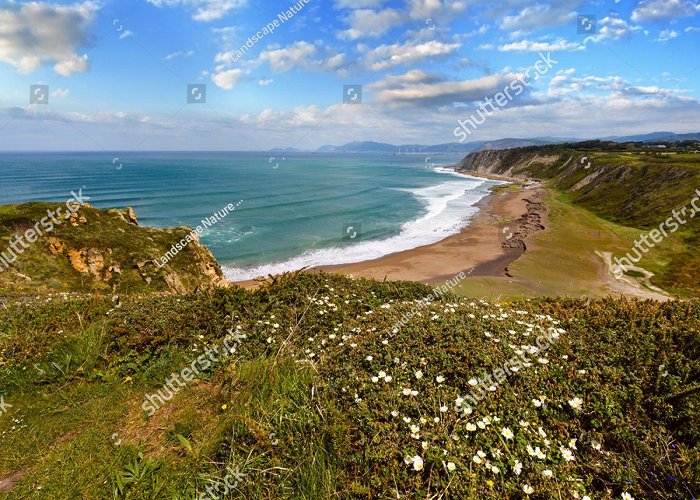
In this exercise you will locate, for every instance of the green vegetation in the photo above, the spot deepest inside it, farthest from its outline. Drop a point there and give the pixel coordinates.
(311, 404)
(633, 185)
(99, 252)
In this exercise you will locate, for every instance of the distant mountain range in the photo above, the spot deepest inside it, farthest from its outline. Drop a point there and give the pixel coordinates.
(469, 147)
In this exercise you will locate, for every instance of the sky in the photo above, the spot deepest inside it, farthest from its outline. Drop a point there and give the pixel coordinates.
(120, 73)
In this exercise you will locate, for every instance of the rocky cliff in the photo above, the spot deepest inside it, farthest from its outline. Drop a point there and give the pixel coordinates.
(98, 251)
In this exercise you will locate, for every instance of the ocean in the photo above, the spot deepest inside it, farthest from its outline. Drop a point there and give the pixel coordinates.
(296, 210)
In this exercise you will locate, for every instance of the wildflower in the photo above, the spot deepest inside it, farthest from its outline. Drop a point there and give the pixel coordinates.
(481, 454)
(419, 374)
(424, 445)
(394, 413)
(415, 429)
(529, 490)
(443, 409)
(541, 432)
(518, 467)
(576, 403)
(471, 427)
(627, 496)
(507, 433)
(407, 392)
(451, 467)
(473, 382)
(406, 419)
(567, 454)
(537, 403)
(414, 393)
(582, 372)
(369, 358)
(436, 419)
(127, 379)
(523, 423)
(375, 379)
(547, 473)
(417, 463)
(495, 469)
(489, 483)
(224, 406)
(543, 361)
(481, 424)
(477, 459)
(381, 374)
(572, 443)
(439, 379)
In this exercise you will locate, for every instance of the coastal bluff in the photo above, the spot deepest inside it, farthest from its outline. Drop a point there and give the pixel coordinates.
(97, 251)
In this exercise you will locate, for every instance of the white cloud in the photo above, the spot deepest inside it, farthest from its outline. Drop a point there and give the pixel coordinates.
(264, 82)
(370, 23)
(692, 29)
(427, 9)
(612, 28)
(667, 35)
(175, 55)
(284, 59)
(60, 93)
(658, 10)
(531, 46)
(227, 79)
(358, 4)
(536, 17)
(421, 89)
(387, 56)
(126, 34)
(205, 10)
(32, 34)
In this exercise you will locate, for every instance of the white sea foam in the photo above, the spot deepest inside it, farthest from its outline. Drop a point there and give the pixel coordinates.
(448, 207)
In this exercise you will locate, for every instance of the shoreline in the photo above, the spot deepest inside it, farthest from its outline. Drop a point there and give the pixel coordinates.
(492, 239)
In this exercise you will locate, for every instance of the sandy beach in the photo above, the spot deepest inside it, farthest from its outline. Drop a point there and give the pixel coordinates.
(493, 238)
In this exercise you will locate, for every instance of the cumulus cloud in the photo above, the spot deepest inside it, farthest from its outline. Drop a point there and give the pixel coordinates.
(387, 56)
(284, 59)
(204, 10)
(667, 35)
(658, 10)
(227, 79)
(612, 28)
(36, 33)
(538, 16)
(370, 23)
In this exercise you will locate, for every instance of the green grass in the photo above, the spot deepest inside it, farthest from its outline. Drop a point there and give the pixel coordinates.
(296, 410)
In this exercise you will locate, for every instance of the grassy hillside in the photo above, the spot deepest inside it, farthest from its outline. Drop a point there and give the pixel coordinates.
(327, 395)
(99, 251)
(632, 185)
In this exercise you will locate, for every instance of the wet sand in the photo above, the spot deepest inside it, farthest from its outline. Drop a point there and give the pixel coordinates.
(494, 238)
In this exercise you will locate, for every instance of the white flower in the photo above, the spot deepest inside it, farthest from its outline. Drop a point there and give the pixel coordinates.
(375, 379)
(547, 473)
(543, 361)
(443, 409)
(419, 374)
(414, 393)
(586, 497)
(541, 432)
(539, 453)
(381, 374)
(507, 433)
(481, 424)
(627, 496)
(417, 463)
(477, 459)
(524, 423)
(424, 445)
(481, 454)
(518, 467)
(471, 427)
(415, 429)
(436, 419)
(439, 379)
(529, 490)
(582, 372)
(387, 378)
(572, 444)
(567, 454)
(473, 382)
(394, 413)
(495, 469)
(537, 403)
(595, 445)
(369, 358)
(451, 467)
(576, 403)
(407, 392)
(407, 419)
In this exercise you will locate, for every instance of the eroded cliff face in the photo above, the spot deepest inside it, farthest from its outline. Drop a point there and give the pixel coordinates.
(103, 251)
(512, 163)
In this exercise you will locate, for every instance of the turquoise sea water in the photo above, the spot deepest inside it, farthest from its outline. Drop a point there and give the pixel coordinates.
(297, 209)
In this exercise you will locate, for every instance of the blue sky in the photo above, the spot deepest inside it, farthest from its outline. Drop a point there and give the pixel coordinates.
(118, 71)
